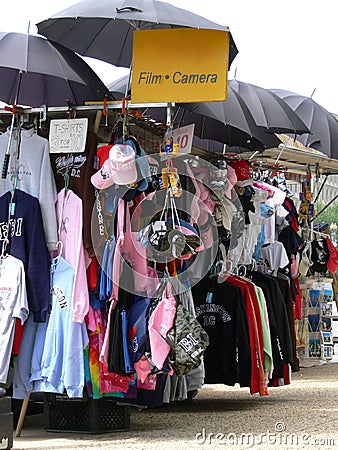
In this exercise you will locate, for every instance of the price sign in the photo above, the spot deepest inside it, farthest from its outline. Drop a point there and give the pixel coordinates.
(184, 137)
(68, 136)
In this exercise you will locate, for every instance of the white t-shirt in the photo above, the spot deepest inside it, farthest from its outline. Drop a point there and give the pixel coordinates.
(270, 224)
(13, 304)
(276, 255)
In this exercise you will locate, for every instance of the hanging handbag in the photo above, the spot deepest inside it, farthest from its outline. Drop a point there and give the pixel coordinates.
(161, 321)
(188, 341)
(305, 262)
(116, 362)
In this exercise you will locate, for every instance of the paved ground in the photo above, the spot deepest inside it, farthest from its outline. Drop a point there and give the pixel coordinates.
(303, 415)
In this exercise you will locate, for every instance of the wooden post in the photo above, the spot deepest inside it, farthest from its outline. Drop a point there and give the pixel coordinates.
(97, 122)
(22, 415)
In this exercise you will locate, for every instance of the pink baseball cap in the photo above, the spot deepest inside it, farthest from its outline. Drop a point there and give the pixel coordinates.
(119, 168)
(103, 179)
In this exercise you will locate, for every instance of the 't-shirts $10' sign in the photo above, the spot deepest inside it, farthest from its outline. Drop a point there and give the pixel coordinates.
(68, 135)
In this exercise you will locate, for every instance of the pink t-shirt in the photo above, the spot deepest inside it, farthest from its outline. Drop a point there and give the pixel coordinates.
(69, 213)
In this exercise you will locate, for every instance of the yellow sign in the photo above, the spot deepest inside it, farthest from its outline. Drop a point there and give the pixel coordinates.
(180, 65)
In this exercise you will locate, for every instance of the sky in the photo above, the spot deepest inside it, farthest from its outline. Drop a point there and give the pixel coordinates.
(289, 44)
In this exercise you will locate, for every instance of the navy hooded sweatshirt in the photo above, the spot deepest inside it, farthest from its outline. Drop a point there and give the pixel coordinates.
(27, 243)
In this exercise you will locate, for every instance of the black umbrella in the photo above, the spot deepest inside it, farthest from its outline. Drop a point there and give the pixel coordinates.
(269, 110)
(323, 125)
(35, 72)
(209, 145)
(229, 122)
(104, 29)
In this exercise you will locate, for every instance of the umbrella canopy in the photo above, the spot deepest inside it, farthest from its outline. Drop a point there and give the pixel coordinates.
(323, 125)
(35, 72)
(268, 110)
(229, 122)
(104, 29)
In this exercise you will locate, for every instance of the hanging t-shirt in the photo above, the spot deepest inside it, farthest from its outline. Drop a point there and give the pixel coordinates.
(293, 214)
(227, 359)
(291, 240)
(252, 230)
(277, 199)
(287, 296)
(278, 320)
(13, 304)
(257, 383)
(268, 361)
(27, 243)
(69, 212)
(319, 255)
(35, 176)
(80, 168)
(275, 254)
(62, 363)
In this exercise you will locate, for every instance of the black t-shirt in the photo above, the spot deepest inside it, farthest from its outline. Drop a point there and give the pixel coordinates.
(320, 256)
(287, 295)
(227, 359)
(290, 239)
(278, 321)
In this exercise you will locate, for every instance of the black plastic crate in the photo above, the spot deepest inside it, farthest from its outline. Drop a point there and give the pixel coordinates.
(85, 415)
(6, 423)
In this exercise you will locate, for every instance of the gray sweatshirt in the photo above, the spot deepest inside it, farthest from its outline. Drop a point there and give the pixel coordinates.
(35, 175)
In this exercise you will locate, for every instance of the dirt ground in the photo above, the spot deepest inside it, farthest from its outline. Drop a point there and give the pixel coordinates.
(302, 415)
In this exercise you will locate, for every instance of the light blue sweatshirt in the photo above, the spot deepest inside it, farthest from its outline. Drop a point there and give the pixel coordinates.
(62, 361)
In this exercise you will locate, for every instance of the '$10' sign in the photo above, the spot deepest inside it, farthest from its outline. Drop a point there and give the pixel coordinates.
(184, 137)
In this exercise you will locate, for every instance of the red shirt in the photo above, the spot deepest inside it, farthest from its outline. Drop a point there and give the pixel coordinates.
(257, 384)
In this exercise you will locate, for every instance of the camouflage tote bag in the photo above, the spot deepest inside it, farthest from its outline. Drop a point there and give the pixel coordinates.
(188, 341)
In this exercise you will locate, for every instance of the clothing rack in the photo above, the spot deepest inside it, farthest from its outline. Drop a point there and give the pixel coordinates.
(90, 106)
(100, 108)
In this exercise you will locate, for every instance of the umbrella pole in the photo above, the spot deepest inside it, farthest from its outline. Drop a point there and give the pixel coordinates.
(128, 82)
(321, 188)
(169, 115)
(282, 149)
(8, 151)
(7, 154)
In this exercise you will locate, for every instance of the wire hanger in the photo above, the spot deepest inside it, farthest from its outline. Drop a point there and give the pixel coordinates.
(71, 113)
(59, 246)
(254, 265)
(15, 180)
(320, 234)
(241, 267)
(66, 180)
(226, 269)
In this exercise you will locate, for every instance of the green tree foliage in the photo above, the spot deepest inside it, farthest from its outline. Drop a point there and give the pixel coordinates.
(330, 215)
